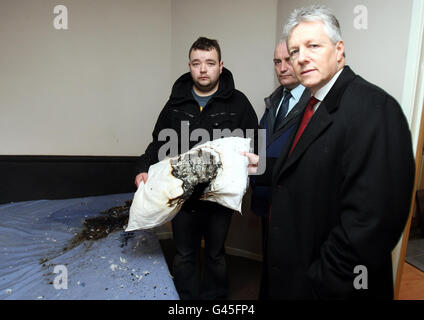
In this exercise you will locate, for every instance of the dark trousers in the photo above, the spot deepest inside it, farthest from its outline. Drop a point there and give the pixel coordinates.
(210, 221)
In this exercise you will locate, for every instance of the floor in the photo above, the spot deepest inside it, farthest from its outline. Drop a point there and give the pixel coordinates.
(415, 249)
(412, 283)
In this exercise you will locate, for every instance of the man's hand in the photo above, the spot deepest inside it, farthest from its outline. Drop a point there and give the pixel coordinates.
(140, 177)
(253, 162)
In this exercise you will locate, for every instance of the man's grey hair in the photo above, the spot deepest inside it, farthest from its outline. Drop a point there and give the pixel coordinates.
(315, 13)
(281, 41)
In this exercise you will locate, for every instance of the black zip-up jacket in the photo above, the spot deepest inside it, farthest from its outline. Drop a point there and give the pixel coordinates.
(227, 109)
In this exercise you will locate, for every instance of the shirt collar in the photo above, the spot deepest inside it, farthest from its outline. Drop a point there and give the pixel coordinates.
(321, 93)
(297, 92)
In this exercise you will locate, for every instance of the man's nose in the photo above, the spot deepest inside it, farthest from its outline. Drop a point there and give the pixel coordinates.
(202, 67)
(302, 56)
(283, 68)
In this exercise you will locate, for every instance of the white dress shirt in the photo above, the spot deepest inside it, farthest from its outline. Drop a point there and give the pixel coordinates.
(296, 94)
(321, 93)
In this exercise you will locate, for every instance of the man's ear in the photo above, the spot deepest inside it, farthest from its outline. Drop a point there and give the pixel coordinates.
(221, 65)
(340, 51)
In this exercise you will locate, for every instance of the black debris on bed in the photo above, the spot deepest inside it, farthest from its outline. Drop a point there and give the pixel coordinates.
(98, 227)
(101, 226)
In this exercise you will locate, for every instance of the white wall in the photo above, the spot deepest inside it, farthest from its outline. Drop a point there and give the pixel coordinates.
(94, 89)
(378, 53)
(245, 30)
(98, 87)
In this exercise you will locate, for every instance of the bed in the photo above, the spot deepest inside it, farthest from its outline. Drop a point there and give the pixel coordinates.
(47, 252)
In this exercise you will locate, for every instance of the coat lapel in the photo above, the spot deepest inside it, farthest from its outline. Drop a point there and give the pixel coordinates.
(318, 124)
(271, 104)
(297, 109)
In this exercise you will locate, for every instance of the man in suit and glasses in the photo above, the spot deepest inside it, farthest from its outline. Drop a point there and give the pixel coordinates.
(342, 189)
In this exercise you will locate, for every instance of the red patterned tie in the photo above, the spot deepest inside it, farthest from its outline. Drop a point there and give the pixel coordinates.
(309, 112)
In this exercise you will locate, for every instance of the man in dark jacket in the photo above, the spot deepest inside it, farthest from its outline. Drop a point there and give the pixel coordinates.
(342, 189)
(204, 98)
(283, 110)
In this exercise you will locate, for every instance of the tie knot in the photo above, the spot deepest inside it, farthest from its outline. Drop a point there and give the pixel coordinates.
(287, 94)
(312, 102)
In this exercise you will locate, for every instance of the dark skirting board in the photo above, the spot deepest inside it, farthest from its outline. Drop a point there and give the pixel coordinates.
(61, 177)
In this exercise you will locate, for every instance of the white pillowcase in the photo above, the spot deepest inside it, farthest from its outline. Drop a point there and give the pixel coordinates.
(160, 199)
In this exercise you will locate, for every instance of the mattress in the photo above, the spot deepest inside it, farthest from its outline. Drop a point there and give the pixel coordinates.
(43, 255)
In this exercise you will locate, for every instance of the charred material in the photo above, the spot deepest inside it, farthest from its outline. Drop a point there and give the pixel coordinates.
(195, 168)
(99, 227)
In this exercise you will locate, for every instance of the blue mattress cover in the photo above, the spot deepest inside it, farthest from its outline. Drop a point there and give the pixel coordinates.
(33, 262)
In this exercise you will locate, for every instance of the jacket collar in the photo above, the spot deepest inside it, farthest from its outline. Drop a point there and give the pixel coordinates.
(274, 97)
(269, 117)
(332, 99)
(294, 112)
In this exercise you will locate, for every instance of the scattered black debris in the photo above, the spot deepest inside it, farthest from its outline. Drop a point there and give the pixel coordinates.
(101, 226)
(96, 228)
(125, 237)
(43, 262)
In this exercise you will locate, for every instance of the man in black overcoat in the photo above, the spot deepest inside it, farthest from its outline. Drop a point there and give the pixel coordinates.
(342, 189)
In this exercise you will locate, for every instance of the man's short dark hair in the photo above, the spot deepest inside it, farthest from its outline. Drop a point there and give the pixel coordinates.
(206, 44)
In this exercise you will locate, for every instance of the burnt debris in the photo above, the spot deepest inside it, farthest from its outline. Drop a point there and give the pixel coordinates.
(194, 168)
(98, 227)
(101, 226)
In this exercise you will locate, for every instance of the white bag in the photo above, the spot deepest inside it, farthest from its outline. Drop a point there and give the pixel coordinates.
(170, 181)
